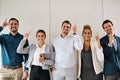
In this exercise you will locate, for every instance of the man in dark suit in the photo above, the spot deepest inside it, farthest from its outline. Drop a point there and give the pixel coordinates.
(111, 50)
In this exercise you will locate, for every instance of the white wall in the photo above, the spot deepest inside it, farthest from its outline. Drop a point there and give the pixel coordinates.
(80, 12)
(32, 14)
(112, 11)
(49, 14)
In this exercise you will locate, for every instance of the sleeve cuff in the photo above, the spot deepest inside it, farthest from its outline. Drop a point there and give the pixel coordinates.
(109, 45)
(26, 69)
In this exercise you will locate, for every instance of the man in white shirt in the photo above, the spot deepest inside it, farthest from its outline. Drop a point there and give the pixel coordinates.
(65, 45)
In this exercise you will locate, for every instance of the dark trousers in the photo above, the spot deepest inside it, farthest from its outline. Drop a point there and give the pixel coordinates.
(37, 73)
(115, 76)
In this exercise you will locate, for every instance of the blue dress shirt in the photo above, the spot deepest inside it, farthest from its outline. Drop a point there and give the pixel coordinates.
(9, 44)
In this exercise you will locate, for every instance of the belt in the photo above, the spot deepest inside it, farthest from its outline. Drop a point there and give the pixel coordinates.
(12, 67)
(36, 67)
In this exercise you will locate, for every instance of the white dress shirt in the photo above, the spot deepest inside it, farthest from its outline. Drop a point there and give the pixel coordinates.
(38, 51)
(65, 51)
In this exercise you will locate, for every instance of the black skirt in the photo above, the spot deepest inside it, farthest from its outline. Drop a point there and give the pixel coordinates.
(37, 73)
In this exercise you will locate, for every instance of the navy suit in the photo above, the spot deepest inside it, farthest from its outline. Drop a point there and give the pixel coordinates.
(111, 56)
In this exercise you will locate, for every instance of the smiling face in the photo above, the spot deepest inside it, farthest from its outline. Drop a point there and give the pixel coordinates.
(40, 37)
(108, 28)
(13, 26)
(65, 28)
(86, 35)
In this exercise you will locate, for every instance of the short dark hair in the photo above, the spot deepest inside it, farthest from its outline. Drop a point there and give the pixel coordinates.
(66, 21)
(106, 21)
(42, 31)
(14, 19)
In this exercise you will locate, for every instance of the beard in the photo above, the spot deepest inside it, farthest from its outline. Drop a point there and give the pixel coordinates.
(66, 32)
(109, 32)
(14, 30)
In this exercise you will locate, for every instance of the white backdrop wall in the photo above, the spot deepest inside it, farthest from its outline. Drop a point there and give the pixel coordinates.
(111, 10)
(49, 14)
(32, 14)
(80, 12)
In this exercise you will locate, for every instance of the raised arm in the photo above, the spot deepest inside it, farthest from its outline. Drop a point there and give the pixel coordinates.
(77, 41)
(4, 24)
(98, 48)
(21, 49)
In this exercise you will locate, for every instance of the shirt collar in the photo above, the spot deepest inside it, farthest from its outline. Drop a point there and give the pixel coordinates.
(64, 37)
(41, 47)
(12, 35)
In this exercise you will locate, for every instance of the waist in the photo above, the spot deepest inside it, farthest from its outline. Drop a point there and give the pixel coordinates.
(39, 67)
(34, 66)
(65, 66)
(12, 67)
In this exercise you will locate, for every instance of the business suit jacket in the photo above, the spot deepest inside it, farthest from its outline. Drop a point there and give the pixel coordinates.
(97, 58)
(31, 50)
(111, 57)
